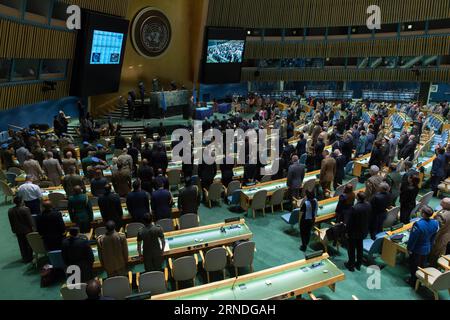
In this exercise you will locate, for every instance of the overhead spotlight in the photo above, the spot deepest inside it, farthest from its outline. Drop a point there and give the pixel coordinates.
(249, 32)
(410, 26)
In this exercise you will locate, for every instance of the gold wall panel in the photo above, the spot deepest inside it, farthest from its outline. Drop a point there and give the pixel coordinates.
(113, 7)
(319, 13)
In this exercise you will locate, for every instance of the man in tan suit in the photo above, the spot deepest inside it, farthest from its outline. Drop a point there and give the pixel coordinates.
(33, 169)
(121, 181)
(72, 180)
(327, 171)
(373, 183)
(125, 160)
(53, 169)
(443, 236)
(113, 251)
(68, 162)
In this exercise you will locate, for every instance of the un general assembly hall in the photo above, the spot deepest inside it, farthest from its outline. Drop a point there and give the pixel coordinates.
(225, 151)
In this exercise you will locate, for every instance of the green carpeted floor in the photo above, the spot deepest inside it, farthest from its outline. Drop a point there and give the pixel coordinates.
(275, 246)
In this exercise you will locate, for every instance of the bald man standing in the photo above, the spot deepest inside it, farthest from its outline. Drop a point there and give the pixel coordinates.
(443, 236)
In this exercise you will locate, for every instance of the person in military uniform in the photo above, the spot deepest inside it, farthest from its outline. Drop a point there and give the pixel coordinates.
(420, 242)
(152, 239)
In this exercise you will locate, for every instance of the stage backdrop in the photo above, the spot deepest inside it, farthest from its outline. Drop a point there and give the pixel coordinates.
(177, 63)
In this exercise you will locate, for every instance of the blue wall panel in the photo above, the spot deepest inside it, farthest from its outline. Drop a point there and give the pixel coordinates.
(41, 113)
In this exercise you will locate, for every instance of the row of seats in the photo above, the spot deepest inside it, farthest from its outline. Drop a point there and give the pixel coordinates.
(181, 270)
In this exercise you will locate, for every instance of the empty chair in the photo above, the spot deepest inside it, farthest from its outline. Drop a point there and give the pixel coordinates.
(154, 282)
(214, 194)
(266, 179)
(100, 231)
(11, 179)
(434, 280)
(189, 221)
(132, 229)
(56, 198)
(232, 187)
(339, 191)
(37, 245)
(56, 259)
(77, 292)
(372, 248)
(391, 218)
(242, 256)
(292, 218)
(6, 190)
(235, 199)
(183, 269)
(259, 202)
(117, 288)
(166, 225)
(277, 199)
(174, 177)
(214, 260)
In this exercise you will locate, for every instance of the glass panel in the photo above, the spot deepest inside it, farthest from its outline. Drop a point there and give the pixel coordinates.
(5, 68)
(25, 69)
(52, 69)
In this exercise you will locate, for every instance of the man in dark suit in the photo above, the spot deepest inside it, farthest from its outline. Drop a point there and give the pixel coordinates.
(160, 179)
(151, 245)
(146, 153)
(21, 224)
(189, 198)
(51, 227)
(357, 230)
(408, 151)
(438, 172)
(138, 202)
(319, 147)
(301, 145)
(119, 141)
(145, 173)
(296, 174)
(340, 168)
(98, 184)
(111, 207)
(77, 252)
(161, 203)
(207, 173)
(409, 172)
(380, 202)
(159, 159)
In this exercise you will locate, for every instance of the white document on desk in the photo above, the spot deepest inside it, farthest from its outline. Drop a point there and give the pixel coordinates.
(167, 246)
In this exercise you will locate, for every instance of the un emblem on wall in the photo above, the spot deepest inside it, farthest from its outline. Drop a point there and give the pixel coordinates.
(151, 32)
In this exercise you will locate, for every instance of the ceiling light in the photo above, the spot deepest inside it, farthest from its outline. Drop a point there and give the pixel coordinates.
(410, 26)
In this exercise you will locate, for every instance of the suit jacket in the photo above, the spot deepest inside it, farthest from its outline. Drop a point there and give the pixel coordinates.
(328, 170)
(408, 151)
(20, 220)
(51, 227)
(380, 202)
(161, 204)
(98, 186)
(67, 163)
(340, 167)
(358, 222)
(53, 171)
(439, 166)
(138, 204)
(373, 186)
(33, 169)
(207, 172)
(70, 181)
(376, 158)
(111, 208)
(443, 236)
(296, 174)
(77, 251)
(113, 252)
(126, 161)
(189, 200)
(121, 181)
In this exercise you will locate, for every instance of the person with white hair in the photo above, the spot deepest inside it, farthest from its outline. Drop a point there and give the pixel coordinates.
(443, 237)
(340, 168)
(373, 183)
